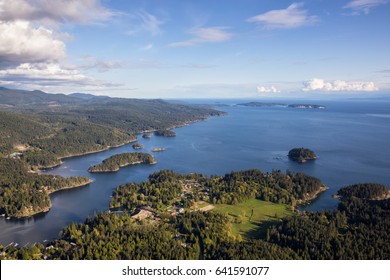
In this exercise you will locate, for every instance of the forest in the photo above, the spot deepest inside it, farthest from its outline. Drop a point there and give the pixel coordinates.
(357, 229)
(115, 162)
(23, 193)
(364, 191)
(47, 127)
(165, 133)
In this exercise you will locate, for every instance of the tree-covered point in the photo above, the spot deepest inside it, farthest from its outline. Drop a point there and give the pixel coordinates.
(161, 189)
(301, 155)
(166, 187)
(115, 162)
(23, 193)
(365, 191)
(165, 133)
(289, 188)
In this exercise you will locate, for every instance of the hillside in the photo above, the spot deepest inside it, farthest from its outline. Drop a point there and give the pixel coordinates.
(53, 126)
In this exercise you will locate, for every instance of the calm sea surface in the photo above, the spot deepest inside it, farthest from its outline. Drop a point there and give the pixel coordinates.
(350, 138)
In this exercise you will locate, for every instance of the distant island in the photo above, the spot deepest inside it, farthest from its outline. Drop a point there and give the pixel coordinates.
(301, 155)
(306, 106)
(146, 135)
(137, 146)
(114, 163)
(165, 133)
(158, 149)
(274, 104)
(262, 104)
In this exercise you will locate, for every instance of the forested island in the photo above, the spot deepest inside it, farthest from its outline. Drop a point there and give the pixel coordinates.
(23, 194)
(301, 155)
(275, 104)
(165, 133)
(357, 229)
(115, 162)
(262, 104)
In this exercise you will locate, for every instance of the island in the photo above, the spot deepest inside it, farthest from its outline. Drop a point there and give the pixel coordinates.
(137, 146)
(262, 104)
(158, 149)
(115, 162)
(165, 133)
(146, 136)
(301, 155)
(306, 106)
(277, 104)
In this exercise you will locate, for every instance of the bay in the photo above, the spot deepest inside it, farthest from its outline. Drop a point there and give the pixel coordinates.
(350, 137)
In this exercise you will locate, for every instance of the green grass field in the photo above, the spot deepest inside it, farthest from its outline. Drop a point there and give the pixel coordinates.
(264, 214)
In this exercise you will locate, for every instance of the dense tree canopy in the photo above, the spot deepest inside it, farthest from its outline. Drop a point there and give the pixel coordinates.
(115, 162)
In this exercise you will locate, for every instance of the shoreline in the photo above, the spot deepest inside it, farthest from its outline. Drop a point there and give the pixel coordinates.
(125, 143)
(312, 197)
(47, 209)
(123, 165)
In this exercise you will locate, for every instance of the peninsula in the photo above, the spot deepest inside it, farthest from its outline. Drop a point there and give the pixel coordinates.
(24, 194)
(114, 163)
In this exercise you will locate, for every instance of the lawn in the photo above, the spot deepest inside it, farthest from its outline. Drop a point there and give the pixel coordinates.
(253, 226)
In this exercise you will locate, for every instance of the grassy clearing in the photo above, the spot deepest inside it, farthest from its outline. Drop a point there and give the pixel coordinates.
(253, 226)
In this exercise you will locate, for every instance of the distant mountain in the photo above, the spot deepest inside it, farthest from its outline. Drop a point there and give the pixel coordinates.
(87, 96)
(16, 97)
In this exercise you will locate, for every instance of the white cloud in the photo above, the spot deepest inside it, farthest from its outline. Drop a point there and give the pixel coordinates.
(146, 23)
(60, 11)
(263, 89)
(20, 43)
(337, 85)
(45, 74)
(32, 47)
(291, 17)
(214, 34)
(89, 62)
(359, 6)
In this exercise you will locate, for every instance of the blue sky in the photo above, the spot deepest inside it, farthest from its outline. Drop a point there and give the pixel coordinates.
(198, 48)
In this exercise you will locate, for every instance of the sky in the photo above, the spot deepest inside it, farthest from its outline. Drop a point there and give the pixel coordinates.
(196, 48)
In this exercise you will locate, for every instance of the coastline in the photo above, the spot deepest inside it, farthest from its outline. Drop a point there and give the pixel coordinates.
(127, 142)
(121, 166)
(311, 197)
(29, 214)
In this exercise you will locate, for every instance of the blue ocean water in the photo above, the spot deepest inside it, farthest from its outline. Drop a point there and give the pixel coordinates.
(351, 139)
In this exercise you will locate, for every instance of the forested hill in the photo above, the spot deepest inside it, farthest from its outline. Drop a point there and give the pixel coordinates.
(46, 127)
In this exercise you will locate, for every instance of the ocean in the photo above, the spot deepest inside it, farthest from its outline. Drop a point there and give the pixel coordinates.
(350, 137)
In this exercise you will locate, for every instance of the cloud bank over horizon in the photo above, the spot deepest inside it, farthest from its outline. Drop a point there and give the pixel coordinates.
(337, 85)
